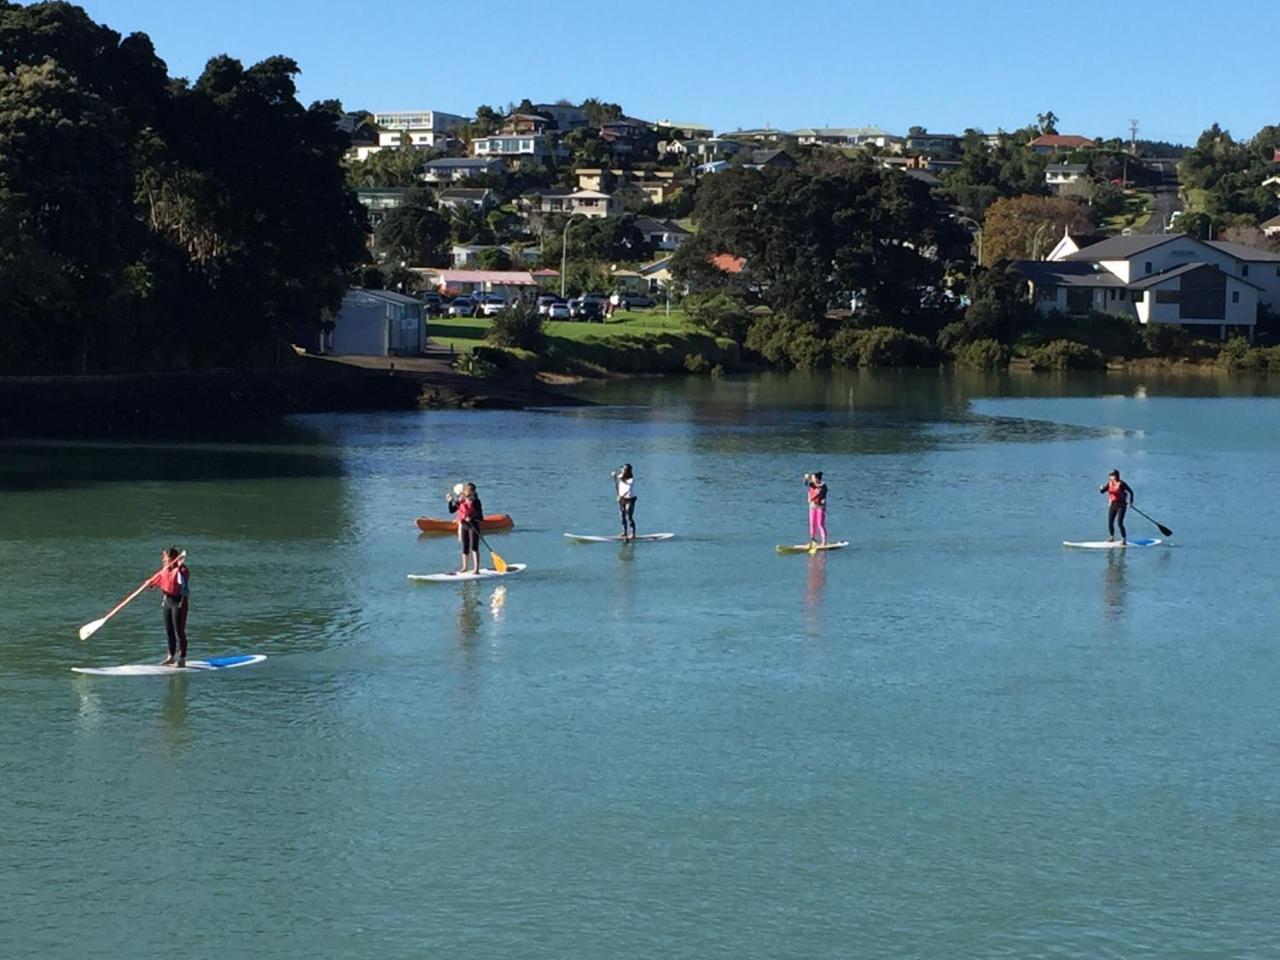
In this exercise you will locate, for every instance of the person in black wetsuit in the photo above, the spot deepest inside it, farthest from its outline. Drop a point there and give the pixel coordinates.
(173, 581)
(466, 504)
(1119, 497)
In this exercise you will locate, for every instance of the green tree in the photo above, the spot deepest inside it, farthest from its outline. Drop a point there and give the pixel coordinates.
(415, 231)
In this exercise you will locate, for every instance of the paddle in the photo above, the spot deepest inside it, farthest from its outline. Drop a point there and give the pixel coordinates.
(498, 563)
(89, 629)
(1159, 526)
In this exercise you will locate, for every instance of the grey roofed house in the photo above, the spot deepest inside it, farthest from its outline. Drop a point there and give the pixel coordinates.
(771, 158)
(465, 193)
(447, 163)
(1121, 248)
(1242, 252)
(648, 225)
(925, 177)
(1066, 168)
(1066, 273)
(1157, 278)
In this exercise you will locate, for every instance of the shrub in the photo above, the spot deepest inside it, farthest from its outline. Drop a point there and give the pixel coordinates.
(474, 365)
(719, 313)
(1236, 354)
(519, 326)
(1066, 355)
(696, 363)
(1110, 334)
(786, 342)
(984, 355)
(883, 347)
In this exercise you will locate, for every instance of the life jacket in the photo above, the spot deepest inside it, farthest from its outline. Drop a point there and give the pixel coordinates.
(1115, 490)
(469, 510)
(818, 495)
(172, 581)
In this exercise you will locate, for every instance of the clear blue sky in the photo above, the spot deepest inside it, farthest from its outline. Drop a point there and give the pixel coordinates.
(1176, 65)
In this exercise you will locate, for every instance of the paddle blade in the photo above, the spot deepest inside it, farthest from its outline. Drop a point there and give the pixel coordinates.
(1163, 529)
(498, 563)
(89, 629)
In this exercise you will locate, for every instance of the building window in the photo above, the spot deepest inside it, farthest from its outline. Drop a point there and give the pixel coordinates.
(1168, 296)
(1047, 294)
(1244, 269)
(1235, 296)
(1148, 266)
(1136, 296)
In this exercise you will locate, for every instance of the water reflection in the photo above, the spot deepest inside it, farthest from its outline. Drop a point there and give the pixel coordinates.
(173, 709)
(815, 587)
(469, 615)
(1114, 587)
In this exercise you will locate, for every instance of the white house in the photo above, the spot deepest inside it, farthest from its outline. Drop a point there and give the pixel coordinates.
(1160, 278)
(846, 136)
(1059, 175)
(474, 198)
(1270, 227)
(514, 147)
(378, 323)
(588, 203)
(702, 150)
(378, 201)
(454, 169)
(661, 234)
(426, 129)
(464, 255)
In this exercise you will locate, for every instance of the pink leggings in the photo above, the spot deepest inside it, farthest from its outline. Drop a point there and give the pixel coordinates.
(818, 523)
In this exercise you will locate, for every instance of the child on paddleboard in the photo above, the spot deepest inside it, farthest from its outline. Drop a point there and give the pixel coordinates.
(816, 492)
(466, 504)
(173, 582)
(1119, 499)
(624, 482)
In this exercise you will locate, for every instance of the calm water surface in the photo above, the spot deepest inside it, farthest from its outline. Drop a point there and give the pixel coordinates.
(955, 739)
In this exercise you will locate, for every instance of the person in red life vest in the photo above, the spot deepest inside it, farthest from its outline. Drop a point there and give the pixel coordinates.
(1119, 498)
(817, 496)
(466, 504)
(173, 582)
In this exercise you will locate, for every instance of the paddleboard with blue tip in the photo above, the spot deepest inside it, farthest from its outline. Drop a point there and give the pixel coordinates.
(156, 669)
(1112, 544)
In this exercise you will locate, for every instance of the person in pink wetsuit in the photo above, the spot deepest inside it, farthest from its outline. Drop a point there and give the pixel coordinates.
(817, 495)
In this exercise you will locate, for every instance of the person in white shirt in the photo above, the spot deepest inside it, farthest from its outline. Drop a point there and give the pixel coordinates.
(624, 482)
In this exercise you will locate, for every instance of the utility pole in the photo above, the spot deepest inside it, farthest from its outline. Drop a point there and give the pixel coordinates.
(1133, 137)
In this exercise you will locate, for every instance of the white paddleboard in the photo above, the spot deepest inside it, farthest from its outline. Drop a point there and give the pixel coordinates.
(642, 538)
(155, 669)
(805, 548)
(1112, 544)
(484, 574)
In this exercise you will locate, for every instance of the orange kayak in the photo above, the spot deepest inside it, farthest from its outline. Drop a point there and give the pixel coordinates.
(494, 521)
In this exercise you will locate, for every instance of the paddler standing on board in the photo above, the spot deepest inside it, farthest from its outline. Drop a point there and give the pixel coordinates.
(816, 493)
(173, 582)
(1119, 499)
(464, 502)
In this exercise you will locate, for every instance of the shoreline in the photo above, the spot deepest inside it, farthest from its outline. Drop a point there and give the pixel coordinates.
(70, 405)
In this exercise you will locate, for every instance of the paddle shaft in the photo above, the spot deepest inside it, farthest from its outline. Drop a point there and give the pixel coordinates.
(1159, 526)
(97, 624)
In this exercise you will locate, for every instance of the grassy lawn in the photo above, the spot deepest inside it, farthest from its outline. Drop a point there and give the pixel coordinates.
(1136, 213)
(1194, 197)
(462, 333)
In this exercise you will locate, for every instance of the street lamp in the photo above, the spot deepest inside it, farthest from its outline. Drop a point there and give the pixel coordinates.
(564, 249)
(1035, 240)
(977, 227)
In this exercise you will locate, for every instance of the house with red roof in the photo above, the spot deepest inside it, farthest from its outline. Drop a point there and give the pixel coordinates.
(1059, 143)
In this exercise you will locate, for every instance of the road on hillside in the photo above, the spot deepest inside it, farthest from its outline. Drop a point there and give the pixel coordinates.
(1164, 196)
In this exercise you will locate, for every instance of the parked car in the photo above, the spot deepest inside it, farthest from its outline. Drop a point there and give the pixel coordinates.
(546, 302)
(635, 301)
(462, 307)
(491, 305)
(435, 303)
(589, 306)
(558, 311)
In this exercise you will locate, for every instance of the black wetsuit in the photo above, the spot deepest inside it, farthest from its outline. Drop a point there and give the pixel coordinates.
(1117, 509)
(469, 530)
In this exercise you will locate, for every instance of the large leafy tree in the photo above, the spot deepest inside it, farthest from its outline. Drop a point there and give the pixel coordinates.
(154, 223)
(1022, 227)
(830, 234)
(415, 231)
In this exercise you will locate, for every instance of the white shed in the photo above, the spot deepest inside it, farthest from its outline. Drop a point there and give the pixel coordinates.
(379, 323)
